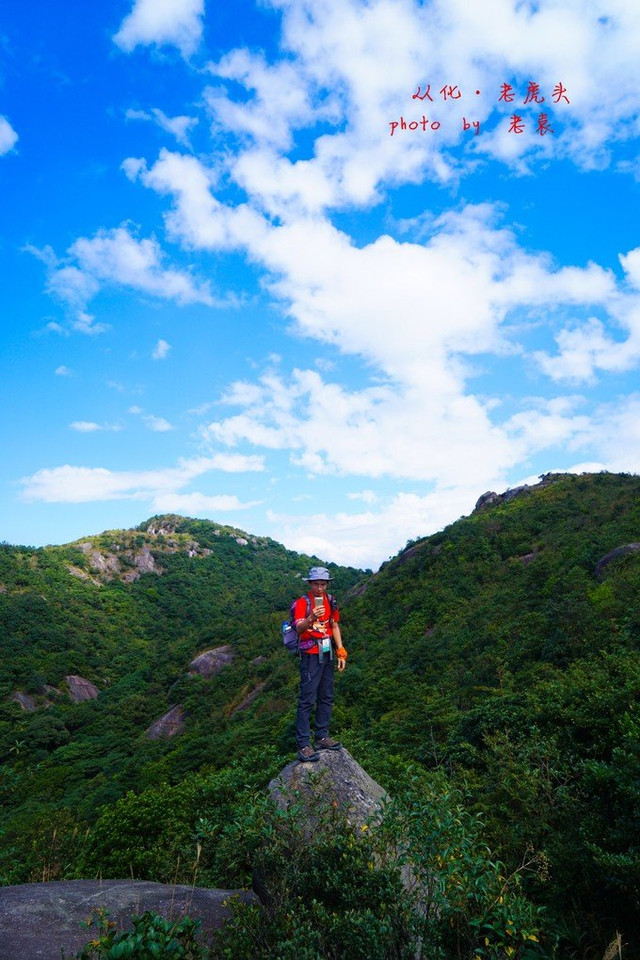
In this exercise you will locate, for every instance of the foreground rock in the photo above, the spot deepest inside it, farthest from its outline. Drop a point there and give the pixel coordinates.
(39, 920)
(335, 782)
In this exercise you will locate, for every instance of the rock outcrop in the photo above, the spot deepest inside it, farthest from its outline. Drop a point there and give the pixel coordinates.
(81, 689)
(613, 555)
(336, 782)
(247, 699)
(211, 662)
(25, 701)
(167, 726)
(39, 920)
(491, 499)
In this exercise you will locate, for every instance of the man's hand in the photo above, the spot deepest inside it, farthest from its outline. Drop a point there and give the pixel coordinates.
(341, 654)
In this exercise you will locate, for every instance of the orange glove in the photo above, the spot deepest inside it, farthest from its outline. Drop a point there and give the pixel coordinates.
(341, 653)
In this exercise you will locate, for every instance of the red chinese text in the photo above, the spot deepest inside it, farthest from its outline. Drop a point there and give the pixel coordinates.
(426, 95)
(533, 93)
(560, 93)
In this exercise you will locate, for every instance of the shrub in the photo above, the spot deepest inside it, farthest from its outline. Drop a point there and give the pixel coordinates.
(420, 883)
(152, 938)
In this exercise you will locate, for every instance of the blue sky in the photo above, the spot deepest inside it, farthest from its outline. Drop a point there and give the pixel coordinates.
(244, 279)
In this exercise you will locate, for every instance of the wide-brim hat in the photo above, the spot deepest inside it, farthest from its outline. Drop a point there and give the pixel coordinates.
(318, 573)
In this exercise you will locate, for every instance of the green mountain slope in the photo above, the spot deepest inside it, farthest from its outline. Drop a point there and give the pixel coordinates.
(506, 650)
(128, 611)
(500, 656)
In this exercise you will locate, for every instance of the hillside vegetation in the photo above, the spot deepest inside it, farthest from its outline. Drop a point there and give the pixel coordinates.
(496, 662)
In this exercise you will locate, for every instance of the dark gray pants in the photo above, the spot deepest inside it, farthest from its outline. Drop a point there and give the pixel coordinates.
(316, 687)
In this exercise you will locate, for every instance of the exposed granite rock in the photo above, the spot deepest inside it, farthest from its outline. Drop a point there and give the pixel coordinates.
(82, 575)
(490, 498)
(612, 555)
(526, 559)
(81, 689)
(336, 781)
(164, 528)
(25, 701)
(39, 920)
(487, 499)
(106, 564)
(249, 698)
(410, 552)
(167, 726)
(144, 561)
(130, 563)
(212, 661)
(357, 591)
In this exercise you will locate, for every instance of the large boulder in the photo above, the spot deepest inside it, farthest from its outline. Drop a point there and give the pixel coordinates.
(39, 920)
(211, 662)
(613, 555)
(336, 781)
(167, 726)
(25, 701)
(81, 689)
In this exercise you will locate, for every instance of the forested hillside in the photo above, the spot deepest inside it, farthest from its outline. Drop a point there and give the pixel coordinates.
(129, 611)
(499, 658)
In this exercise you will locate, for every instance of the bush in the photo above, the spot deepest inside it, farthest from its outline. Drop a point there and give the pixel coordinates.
(419, 884)
(152, 938)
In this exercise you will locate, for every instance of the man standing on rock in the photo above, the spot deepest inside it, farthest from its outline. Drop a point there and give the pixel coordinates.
(316, 617)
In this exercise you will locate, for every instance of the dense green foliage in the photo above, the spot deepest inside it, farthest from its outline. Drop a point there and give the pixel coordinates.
(418, 884)
(496, 657)
(152, 938)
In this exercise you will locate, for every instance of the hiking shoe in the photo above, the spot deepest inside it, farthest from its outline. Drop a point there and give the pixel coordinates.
(307, 755)
(327, 744)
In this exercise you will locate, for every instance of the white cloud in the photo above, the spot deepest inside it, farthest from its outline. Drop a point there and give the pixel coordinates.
(178, 127)
(631, 266)
(352, 68)
(86, 323)
(586, 348)
(367, 496)
(367, 539)
(157, 424)
(89, 426)
(413, 312)
(117, 257)
(70, 484)
(199, 504)
(237, 463)
(198, 219)
(161, 350)
(8, 136)
(175, 23)
(613, 432)
(85, 426)
(63, 371)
